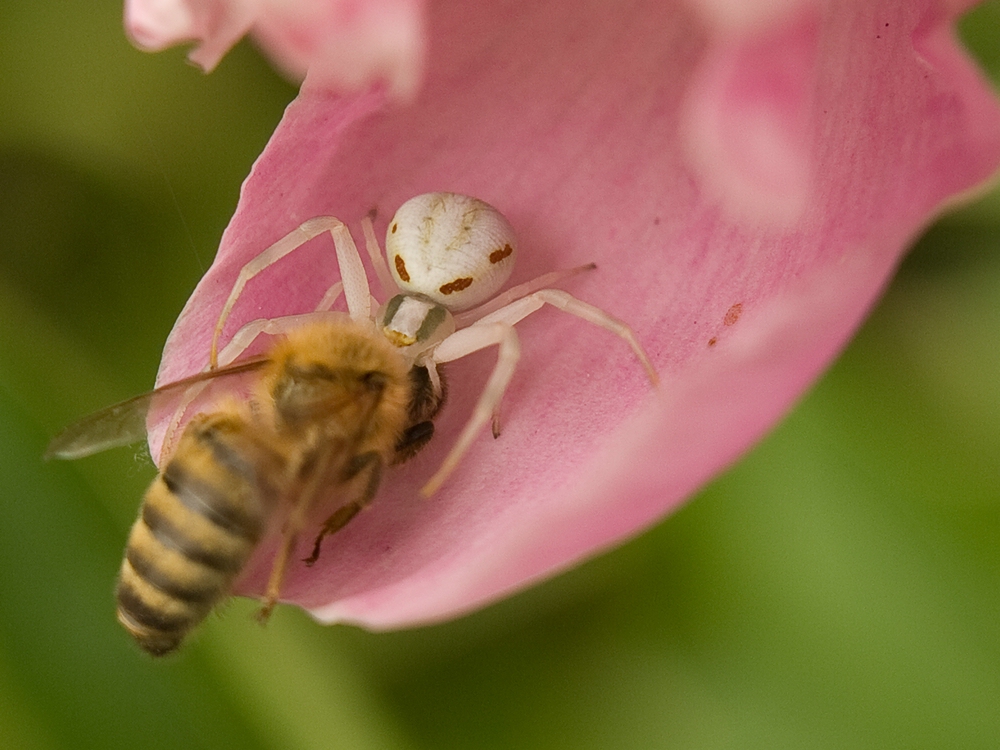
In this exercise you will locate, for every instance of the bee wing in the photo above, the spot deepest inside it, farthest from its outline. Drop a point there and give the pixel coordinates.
(125, 423)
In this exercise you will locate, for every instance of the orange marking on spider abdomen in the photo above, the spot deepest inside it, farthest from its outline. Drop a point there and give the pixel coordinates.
(498, 255)
(401, 268)
(456, 286)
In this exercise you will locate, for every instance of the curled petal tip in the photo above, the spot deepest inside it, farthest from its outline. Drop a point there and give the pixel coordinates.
(345, 45)
(154, 25)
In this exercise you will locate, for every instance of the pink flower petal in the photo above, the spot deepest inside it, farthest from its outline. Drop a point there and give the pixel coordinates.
(216, 25)
(745, 190)
(350, 44)
(749, 122)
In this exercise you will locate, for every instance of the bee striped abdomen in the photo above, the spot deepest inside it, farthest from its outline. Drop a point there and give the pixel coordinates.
(200, 522)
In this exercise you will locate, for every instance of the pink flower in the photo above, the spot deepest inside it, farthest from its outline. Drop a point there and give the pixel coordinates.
(350, 43)
(746, 176)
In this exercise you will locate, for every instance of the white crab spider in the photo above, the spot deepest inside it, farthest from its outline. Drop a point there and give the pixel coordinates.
(447, 253)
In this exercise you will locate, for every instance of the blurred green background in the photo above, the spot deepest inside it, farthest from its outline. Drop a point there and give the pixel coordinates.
(840, 588)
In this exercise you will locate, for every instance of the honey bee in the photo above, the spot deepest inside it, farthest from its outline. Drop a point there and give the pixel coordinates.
(335, 400)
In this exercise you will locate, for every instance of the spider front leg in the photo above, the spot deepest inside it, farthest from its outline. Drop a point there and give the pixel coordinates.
(498, 328)
(377, 257)
(352, 271)
(458, 345)
(522, 308)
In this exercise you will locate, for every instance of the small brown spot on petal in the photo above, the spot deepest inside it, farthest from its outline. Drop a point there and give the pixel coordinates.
(401, 268)
(394, 228)
(712, 341)
(456, 286)
(733, 314)
(498, 255)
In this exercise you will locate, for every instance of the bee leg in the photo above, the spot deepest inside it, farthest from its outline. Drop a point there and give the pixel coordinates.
(371, 462)
(413, 441)
(273, 590)
(333, 524)
(295, 522)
